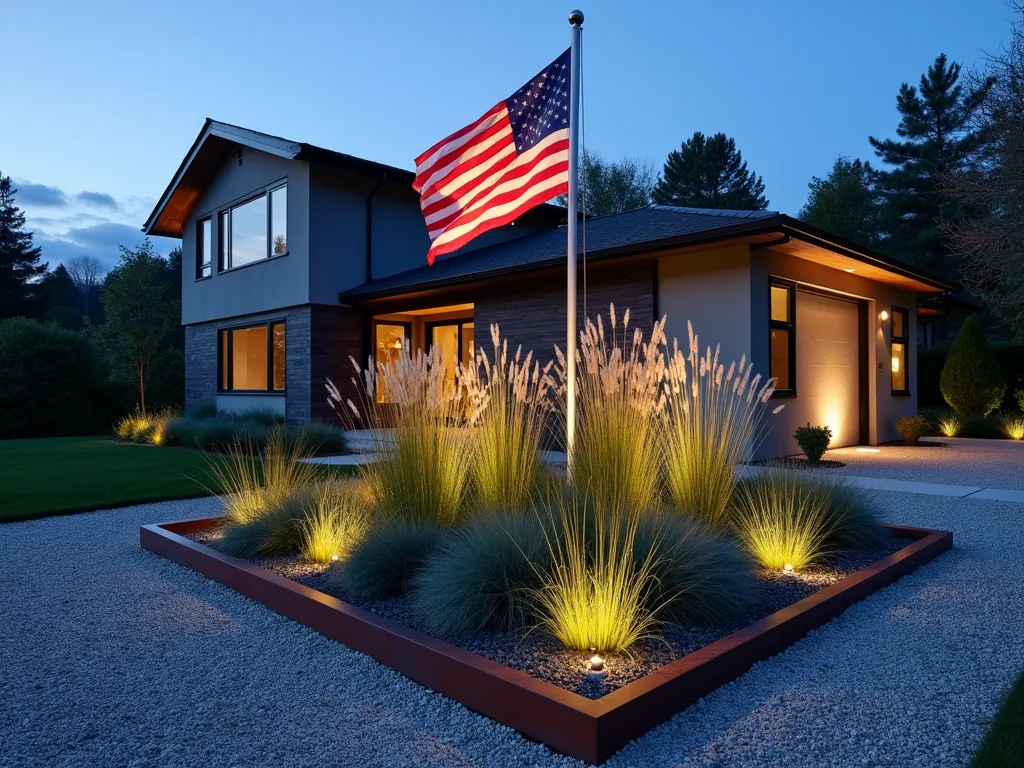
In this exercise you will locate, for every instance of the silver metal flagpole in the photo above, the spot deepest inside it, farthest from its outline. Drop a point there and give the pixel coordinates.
(576, 21)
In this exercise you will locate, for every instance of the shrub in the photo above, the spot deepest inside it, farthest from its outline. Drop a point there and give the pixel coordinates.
(593, 594)
(36, 364)
(949, 425)
(254, 436)
(218, 433)
(265, 416)
(713, 423)
(482, 575)
(422, 472)
(791, 518)
(276, 529)
(318, 437)
(813, 441)
(1019, 395)
(617, 455)
(384, 563)
(204, 411)
(700, 576)
(509, 408)
(338, 519)
(1013, 426)
(970, 381)
(912, 428)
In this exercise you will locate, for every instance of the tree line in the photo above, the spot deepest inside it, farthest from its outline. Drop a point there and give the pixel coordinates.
(79, 348)
(947, 194)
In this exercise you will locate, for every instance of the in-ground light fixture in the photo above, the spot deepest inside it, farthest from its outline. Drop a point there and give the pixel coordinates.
(788, 569)
(596, 663)
(334, 558)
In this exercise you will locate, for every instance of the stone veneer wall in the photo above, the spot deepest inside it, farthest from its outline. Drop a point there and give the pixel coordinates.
(535, 316)
(318, 342)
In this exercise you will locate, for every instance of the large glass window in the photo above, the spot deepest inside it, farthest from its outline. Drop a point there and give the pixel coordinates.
(204, 249)
(252, 359)
(782, 343)
(389, 340)
(899, 342)
(455, 338)
(254, 230)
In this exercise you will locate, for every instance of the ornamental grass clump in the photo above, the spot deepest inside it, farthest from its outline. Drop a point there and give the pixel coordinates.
(337, 520)
(700, 576)
(384, 563)
(593, 593)
(950, 425)
(786, 517)
(713, 422)
(423, 464)
(483, 575)
(619, 406)
(509, 409)
(1013, 426)
(148, 429)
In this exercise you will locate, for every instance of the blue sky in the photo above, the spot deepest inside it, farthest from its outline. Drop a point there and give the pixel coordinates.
(111, 94)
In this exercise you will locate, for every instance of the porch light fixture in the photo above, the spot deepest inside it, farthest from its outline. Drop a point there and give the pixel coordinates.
(883, 315)
(596, 663)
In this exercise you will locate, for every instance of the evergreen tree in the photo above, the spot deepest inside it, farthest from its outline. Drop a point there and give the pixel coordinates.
(61, 299)
(971, 381)
(19, 261)
(846, 203)
(937, 137)
(709, 172)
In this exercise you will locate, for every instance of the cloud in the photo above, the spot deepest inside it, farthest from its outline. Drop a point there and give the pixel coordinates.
(97, 200)
(39, 194)
(99, 240)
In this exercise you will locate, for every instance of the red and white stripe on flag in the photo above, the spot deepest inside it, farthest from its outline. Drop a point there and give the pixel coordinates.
(514, 157)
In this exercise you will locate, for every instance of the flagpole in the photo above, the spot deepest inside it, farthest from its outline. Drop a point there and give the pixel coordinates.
(576, 22)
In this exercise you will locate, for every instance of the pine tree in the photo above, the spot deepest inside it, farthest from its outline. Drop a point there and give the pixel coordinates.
(709, 172)
(19, 261)
(846, 203)
(938, 137)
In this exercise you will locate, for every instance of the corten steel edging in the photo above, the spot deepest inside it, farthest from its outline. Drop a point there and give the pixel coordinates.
(591, 730)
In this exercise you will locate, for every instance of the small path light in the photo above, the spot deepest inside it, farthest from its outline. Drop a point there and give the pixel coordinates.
(596, 663)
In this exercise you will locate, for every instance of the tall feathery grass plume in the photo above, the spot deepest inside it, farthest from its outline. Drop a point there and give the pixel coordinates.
(423, 453)
(594, 590)
(714, 421)
(617, 454)
(509, 408)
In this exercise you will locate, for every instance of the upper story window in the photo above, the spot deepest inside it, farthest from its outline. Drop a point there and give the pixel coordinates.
(899, 341)
(782, 327)
(204, 248)
(254, 230)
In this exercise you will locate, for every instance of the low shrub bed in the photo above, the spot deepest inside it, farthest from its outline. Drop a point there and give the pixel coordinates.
(208, 430)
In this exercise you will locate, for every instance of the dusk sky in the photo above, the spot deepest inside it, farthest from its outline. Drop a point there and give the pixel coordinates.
(105, 98)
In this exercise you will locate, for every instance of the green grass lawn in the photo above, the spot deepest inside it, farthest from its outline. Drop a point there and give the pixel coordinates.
(75, 474)
(1003, 746)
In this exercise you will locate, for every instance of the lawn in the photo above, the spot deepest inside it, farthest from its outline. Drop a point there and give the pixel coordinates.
(76, 474)
(1003, 746)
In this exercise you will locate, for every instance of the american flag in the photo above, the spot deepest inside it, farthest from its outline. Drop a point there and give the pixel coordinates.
(495, 169)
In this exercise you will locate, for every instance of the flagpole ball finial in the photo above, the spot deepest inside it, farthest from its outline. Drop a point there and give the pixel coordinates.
(576, 18)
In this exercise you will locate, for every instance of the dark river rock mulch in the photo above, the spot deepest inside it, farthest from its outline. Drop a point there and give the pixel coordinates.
(542, 656)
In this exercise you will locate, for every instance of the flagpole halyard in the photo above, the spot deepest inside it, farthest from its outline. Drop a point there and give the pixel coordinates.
(576, 23)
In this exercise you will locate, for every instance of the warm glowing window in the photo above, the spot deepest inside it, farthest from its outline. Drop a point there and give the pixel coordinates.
(782, 338)
(455, 338)
(204, 248)
(898, 352)
(252, 359)
(390, 339)
(254, 230)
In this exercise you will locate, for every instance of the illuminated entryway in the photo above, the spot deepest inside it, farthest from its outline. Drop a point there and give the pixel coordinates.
(448, 327)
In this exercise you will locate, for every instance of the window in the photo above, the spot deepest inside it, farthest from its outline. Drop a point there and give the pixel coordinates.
(204, 248)
(254, 230)
(899, 342)
(782, 330)
(388, 342)
(252, 359)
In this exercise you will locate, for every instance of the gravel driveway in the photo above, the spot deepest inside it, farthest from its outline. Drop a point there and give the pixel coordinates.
(112, 656)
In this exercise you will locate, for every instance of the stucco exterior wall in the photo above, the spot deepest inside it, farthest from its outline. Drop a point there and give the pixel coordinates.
(274, 283)
(710, 289)
(885, 407)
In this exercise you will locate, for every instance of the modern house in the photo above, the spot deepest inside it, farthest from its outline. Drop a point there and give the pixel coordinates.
(297, 257)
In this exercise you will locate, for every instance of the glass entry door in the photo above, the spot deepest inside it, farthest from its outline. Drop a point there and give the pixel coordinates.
(455, 338)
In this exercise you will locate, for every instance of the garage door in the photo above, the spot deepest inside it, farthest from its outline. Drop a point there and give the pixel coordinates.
(828, 365)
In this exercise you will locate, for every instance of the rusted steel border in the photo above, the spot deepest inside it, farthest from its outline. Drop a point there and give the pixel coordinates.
(588, 729)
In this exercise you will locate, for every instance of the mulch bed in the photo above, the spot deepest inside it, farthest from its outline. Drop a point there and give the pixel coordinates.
(797, 462)
(542, 656)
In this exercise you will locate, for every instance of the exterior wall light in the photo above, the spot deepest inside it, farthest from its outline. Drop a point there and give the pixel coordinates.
(883, 315)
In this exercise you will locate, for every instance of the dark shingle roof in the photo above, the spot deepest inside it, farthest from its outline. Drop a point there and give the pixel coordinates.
(605, 235)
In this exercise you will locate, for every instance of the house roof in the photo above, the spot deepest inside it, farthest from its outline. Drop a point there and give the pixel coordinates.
(217, 140)
(646, 231)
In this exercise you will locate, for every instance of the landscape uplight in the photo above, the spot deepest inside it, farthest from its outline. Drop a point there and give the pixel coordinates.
(788, 569)
(596, 663)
